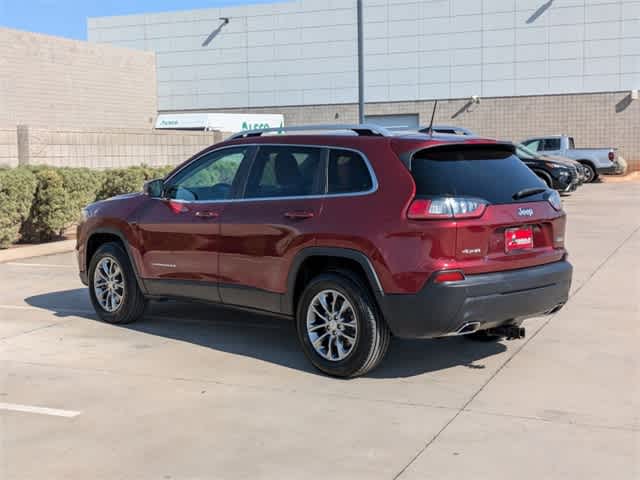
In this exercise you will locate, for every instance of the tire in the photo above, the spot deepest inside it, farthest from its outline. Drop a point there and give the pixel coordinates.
(132, 302)
(371, 335)
(590, 173)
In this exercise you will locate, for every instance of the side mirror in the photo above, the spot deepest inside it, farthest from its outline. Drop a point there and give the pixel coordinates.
(154, 188)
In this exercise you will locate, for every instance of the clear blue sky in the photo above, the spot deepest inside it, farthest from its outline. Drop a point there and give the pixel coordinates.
(68, 18)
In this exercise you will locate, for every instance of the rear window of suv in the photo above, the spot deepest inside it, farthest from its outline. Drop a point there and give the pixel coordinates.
(492, 174)
(347, 173)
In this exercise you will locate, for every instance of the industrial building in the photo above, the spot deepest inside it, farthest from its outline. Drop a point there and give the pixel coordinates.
(536, 66)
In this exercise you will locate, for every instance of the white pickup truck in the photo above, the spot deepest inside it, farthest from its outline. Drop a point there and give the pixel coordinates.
(596, 160)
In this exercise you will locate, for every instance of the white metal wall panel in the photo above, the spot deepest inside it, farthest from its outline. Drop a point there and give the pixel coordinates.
(304, 51)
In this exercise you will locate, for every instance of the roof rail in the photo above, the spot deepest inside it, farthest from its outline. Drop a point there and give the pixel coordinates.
(362, 130)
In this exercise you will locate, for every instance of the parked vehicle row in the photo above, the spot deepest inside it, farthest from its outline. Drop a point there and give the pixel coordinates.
(596, 161)
(355, 233)
(560, 174)
(554, 158)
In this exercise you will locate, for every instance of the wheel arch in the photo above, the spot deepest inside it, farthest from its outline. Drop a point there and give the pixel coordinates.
(312, 260)
(544, 176)
(103, 235)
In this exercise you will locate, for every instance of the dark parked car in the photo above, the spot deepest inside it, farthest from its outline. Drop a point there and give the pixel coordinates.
(557, 174)
(357, 238)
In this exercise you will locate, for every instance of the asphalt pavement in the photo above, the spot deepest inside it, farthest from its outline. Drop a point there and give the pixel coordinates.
(198, 392)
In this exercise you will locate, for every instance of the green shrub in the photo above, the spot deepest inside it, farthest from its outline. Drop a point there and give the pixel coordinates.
(127, 180)
(38, 203)
(17, 187)
(82, 186)
(50, 210)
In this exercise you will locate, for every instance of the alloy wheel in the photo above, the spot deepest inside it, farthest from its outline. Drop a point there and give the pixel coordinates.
(332, 325)
(108, 284)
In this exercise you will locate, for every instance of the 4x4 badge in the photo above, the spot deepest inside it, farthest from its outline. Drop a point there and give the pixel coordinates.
(525, 212)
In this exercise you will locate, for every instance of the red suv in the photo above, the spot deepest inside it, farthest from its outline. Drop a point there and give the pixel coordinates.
(358, 237)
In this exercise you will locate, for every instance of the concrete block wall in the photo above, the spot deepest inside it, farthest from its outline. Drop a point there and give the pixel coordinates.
(594, 120)
(52, 82)
(113, 149)
(8, 148)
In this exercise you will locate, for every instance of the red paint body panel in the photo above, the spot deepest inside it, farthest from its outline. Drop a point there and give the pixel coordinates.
(258, 241)
(176, 242)
(253, 244)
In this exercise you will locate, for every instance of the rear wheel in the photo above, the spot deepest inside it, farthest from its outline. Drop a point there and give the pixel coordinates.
(339, 326)
(590, 174)
(113, 287)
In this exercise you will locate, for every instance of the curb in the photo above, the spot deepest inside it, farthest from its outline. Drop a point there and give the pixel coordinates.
(40, 250)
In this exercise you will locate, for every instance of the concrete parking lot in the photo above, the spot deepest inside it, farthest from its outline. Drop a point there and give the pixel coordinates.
(196, 392)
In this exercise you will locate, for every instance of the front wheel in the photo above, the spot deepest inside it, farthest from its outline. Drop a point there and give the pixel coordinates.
(339, 326)
(113, 287)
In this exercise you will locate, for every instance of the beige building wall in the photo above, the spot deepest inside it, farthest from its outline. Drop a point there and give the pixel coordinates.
(594, 120)
(115, 149)
(8, 148)
(53, 82)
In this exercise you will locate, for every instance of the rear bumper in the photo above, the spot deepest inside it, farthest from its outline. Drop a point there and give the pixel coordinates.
(490, 299)
(613, 169)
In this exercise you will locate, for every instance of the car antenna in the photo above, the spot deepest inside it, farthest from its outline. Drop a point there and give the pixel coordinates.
(433, 116)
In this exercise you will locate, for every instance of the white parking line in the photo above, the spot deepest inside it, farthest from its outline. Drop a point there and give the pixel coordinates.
(41, 265)
(14, 407)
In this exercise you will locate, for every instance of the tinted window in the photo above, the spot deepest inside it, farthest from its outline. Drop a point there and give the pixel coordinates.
(280, 171)
(348, 172)
(489, 174)
(209, 178)
(551, 144)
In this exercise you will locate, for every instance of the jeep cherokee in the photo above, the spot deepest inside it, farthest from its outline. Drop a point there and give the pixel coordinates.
(357, 236)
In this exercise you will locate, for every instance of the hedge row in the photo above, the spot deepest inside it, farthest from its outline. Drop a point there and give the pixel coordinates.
(37, 204)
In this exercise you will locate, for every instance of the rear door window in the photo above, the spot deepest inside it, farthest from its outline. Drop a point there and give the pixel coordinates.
(348, 173)
(285, 171)
(489, 173)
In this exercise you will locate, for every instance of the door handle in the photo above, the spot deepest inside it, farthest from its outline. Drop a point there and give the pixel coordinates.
(207, 214)
(300, 215)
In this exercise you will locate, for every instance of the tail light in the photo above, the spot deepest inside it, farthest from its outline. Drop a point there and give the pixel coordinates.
(612, 155)
(446, 207)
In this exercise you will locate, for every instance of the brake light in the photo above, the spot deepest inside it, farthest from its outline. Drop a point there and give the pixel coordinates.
(443, 277)
(446, 207)
(612, 155)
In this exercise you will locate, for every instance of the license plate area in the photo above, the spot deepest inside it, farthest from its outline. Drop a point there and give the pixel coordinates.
(518, 238)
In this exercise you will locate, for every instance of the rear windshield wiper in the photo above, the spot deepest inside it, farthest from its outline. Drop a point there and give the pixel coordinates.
(528, 192)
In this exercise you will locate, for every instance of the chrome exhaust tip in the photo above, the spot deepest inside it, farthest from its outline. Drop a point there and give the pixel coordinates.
(468, 328)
